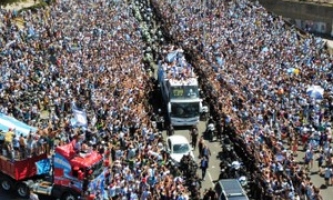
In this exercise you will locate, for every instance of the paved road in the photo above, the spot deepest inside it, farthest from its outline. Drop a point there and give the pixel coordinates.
(317, 180)
(6, 196)
(213, 171)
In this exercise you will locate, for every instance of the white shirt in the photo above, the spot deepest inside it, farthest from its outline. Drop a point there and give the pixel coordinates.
(328, 173)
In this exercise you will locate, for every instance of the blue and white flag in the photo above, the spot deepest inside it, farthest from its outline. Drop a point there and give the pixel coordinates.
(43, 166)
(80, 118)
(7, 122)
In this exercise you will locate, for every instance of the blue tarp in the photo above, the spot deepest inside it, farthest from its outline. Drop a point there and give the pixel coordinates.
(43, 166)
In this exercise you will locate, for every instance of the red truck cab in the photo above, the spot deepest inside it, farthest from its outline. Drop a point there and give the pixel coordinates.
(67, 174)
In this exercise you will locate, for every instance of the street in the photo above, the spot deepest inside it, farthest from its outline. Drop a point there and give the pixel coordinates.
(213, 171)
(13, 196)
(214, 161)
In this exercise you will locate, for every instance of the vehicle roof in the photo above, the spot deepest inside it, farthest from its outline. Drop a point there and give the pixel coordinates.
(231, 186)
(187, 81)
(194, 100)
(178, 139)
(87, 161)
(237, 197)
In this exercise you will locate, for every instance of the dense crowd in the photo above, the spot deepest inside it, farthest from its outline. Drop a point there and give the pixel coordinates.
(89, 54)
(86, 55)
(260, 70)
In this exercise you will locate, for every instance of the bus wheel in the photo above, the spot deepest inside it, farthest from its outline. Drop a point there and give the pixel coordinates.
(22, 190)
(6, 184)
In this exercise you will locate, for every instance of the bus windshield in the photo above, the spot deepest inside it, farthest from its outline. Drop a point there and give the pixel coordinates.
(185, 110)
(184, 92)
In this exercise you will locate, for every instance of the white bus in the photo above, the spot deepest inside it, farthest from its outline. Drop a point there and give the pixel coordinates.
(180, 90)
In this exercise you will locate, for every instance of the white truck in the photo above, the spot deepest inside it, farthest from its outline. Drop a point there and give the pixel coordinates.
(180, 89)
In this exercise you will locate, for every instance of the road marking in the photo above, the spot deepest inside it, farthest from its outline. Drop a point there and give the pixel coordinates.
(210, 178)
(213, 166)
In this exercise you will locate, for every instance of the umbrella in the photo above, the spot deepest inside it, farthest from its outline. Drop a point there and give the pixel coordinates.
(315, 92)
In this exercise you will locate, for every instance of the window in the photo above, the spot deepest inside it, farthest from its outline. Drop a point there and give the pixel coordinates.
(181, 148)
(184, 92)
(185, 110)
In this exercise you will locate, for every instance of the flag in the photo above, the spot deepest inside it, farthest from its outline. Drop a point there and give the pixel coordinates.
(43, 166)
(80, 118)
(7, 122)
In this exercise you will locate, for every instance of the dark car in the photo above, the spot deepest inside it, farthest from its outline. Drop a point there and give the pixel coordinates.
(230, 189)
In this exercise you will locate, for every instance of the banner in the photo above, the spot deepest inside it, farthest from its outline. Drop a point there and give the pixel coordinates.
(97, 184)
(80, 118)
(43, 166)
(7, 122)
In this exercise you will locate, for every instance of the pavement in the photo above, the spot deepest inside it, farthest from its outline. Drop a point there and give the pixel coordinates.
(213, 171)
(316, 179)
(13, 196)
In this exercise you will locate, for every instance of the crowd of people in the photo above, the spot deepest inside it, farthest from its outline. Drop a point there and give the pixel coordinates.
(260, 69)
(87, 55)
(174, 64)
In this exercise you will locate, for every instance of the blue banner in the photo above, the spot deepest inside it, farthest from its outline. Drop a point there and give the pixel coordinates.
(43, 166)
(97, 184)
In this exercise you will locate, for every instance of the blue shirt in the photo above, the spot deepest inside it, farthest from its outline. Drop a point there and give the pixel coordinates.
(16, 143)
(204, 164)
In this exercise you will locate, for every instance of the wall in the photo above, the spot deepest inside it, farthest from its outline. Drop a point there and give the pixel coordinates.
(315, 12)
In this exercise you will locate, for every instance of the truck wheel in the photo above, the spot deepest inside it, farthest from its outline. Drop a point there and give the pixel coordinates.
(6, 184)
(68, 196)
(22, 190)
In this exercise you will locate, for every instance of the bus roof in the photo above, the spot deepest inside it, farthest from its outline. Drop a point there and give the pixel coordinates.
(185, 82)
